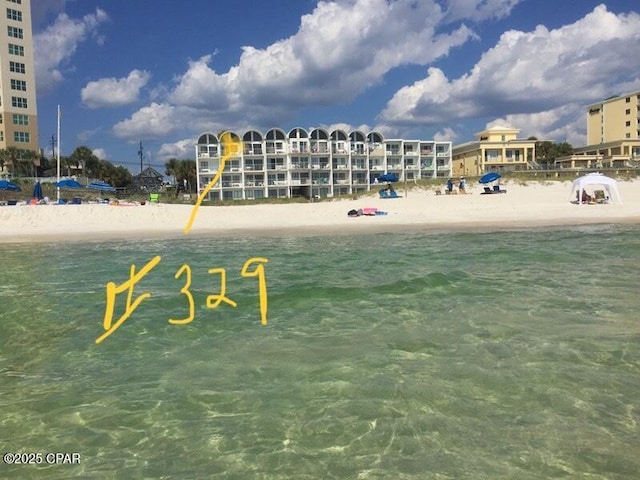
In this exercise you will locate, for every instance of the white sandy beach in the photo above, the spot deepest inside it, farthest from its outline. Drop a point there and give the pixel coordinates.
(532, 205)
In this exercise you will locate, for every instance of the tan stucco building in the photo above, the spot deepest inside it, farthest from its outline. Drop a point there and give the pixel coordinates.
(18, 109)
(613, 119)
(613, 135)
(495, 149)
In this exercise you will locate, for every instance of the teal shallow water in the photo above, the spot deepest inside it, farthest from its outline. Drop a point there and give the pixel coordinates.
(449, 356)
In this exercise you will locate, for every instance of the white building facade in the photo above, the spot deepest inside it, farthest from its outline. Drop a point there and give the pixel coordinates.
(313, 163)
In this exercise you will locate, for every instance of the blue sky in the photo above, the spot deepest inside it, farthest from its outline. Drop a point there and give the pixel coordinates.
(161, 73)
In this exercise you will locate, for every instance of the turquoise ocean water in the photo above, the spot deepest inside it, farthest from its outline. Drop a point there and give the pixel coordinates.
(506, 355)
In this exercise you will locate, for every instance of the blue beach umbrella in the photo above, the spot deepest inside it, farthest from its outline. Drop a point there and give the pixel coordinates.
(490, 177)
(102, 186)
(68, 183)
(388, 177)
(10, 186)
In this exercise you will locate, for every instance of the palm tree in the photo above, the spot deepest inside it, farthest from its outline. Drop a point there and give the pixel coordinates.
(3, 161)
(181, 170)
(9, 157)
(20, 161)
(171, 168)
(68, 163)
(84, 158)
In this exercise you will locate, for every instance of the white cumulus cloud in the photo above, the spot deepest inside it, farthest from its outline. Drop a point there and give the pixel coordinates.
(55, 46)
(544, 77)
(114, 92)
(341, 49)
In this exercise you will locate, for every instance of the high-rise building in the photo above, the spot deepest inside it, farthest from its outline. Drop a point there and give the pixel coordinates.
(613, 136)
(18, 109)
(616, 118)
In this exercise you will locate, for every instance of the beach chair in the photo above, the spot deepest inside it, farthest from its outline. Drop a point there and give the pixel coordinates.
(487, 191)
(392, 194)
(496, 189)
(600, 197)
(154, 198)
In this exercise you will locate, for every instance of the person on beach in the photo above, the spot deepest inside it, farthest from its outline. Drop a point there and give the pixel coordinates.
(463, 185)
(449, 185)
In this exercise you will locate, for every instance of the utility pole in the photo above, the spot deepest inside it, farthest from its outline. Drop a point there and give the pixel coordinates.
(141, 155)
(53, 146)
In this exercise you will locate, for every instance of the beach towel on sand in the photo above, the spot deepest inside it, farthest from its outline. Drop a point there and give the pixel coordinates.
(368, 212)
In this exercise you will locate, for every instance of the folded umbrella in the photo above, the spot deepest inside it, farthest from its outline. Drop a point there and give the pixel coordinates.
(37, 191)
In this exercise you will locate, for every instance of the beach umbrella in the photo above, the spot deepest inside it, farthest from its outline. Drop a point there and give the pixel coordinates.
(37, 191)
(10, 186)
(102, 186)
(388, 177)
(490, 177)
(68, 183)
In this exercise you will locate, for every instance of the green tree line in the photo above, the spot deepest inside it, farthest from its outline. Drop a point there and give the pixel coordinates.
(24, 163)
(547, 152)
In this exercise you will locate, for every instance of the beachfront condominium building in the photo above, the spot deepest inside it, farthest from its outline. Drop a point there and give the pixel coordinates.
(613, 135)
(613, 119)
(314, 163)
(18, 112)
(495, 149)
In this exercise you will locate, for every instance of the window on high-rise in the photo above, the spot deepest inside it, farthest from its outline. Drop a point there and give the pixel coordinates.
(15, 32)
(17, 67)
(19, 119)
(18, 85)
(19, 102)
(22, 137)
(14, 14)
(19, 2)
(16, 50)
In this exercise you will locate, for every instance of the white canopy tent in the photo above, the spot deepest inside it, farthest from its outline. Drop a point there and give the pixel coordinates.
(596, 179)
